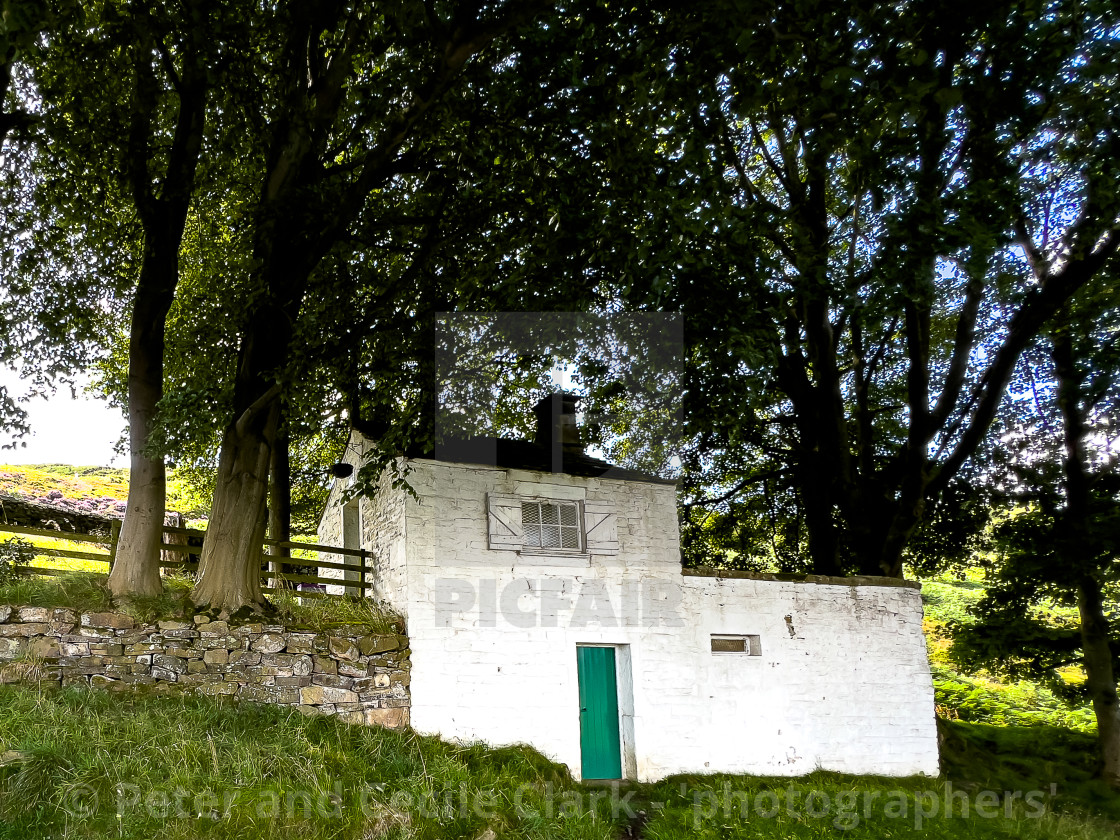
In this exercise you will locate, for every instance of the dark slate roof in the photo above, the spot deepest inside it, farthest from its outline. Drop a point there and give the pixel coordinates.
(525, 455)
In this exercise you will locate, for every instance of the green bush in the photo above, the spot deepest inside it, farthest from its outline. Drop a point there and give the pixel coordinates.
(15, 554)
(1016, 704)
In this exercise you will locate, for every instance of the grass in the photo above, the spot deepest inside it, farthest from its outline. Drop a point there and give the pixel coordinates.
(829, 804)
(92, 483)
(82, 763)
(64, 564)
(327, 613)
(982, 697)
(1029, 757)
(77, 591)
(84, 592)
(95, 765)
(88, 592)
(74, 482)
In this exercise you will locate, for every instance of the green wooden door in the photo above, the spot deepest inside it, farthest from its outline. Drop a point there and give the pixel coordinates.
(598, 713)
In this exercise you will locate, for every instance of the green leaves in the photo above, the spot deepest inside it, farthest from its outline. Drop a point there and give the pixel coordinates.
(852, 201)
(834, 199)
(15, 555)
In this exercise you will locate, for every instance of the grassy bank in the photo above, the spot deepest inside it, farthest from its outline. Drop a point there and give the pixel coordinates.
(80, 763)
(90, 593)
(85, 482)
(73, 482)
(1017, 762)
(982, 697)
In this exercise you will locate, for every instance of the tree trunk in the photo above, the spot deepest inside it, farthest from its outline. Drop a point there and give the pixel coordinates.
(280, 502)
(230, 565)
(908, 515)
(1100, 679)
(820, 523)
(229, 571)
(135, 571)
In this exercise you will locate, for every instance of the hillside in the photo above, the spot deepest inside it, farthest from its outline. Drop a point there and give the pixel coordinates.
(95, 490)
(976, 698)
(994, 735)
(84, 489)
(87, 763)
(984, 698)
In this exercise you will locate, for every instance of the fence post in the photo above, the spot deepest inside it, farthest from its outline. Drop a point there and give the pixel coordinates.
(114, 538)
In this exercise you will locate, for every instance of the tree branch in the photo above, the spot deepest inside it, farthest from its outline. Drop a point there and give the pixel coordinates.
(144, 93)
(256, 408)
(168, 64)
(962, 349)
(1037, 309)
(753, 479)
(13, 121)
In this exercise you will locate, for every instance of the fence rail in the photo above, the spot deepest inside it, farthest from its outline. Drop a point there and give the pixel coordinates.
(273, 579)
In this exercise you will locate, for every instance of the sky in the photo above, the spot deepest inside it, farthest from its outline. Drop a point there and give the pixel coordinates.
(81, 432)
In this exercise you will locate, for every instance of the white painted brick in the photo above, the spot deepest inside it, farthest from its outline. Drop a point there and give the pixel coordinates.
(851, 692)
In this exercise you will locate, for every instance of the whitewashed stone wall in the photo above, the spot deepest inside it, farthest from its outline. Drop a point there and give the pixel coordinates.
(330, 532)
(842, 684)
(382, 531)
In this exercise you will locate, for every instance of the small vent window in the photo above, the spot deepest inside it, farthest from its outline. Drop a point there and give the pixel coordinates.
(550, 524)
(748, 645)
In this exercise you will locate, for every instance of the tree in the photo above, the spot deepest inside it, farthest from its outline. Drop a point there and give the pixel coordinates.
(21, 23)
(847, 204)
(1058, 541)
(317, 180)
(126, 90)
(401, 258)
(162, 184)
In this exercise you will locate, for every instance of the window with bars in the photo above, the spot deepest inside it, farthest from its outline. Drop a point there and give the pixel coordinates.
(550, 525)
(540, 525)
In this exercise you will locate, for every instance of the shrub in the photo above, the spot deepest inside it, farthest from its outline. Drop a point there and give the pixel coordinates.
(15, 554)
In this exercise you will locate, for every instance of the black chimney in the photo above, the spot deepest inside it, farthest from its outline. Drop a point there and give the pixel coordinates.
(556, 427)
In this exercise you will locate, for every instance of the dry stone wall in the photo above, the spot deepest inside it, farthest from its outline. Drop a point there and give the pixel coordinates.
(55, 511)
(361, 677)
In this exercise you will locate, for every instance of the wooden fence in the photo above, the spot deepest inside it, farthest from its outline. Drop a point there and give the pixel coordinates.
(188, 543)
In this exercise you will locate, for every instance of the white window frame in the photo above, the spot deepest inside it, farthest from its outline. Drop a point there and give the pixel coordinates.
(597, 522)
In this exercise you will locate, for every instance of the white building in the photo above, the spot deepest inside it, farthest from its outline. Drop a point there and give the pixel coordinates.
(546, 604)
